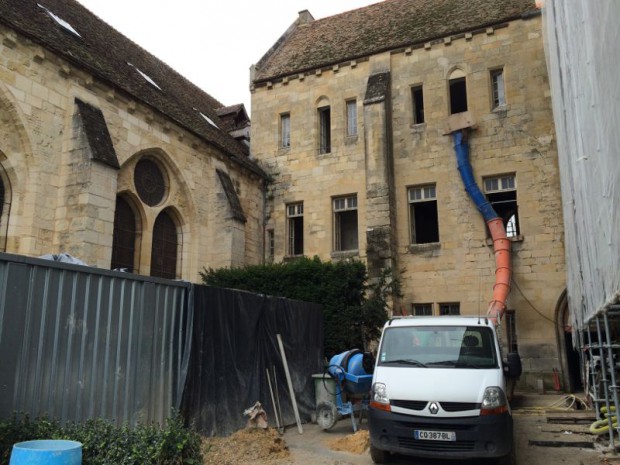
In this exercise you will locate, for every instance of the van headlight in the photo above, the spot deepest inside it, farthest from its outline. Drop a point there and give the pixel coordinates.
(494, 401)
(379, 398)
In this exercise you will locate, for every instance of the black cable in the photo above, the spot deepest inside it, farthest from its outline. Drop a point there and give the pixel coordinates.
(530, 303)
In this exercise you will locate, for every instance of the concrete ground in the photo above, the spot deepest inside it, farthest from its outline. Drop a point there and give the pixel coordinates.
(546, 433)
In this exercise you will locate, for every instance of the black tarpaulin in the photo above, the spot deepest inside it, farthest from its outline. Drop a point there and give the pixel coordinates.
(233, 343)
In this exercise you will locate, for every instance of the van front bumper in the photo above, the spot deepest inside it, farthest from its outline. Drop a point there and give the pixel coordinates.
(476, 437)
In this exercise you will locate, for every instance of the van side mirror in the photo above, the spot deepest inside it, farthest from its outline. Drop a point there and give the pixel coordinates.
(513, 366)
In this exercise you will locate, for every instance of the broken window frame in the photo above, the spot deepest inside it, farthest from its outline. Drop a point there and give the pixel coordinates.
(295, 229)
(423, 197)
(501, 192)
(346, 236)
(498, 88)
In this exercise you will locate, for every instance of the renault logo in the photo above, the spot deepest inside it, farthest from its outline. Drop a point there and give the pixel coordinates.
(434, 408)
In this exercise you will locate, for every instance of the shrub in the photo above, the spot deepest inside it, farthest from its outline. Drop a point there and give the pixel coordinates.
(106, 444)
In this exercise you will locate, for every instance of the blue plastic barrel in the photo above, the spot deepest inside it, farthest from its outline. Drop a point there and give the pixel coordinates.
(47, 452)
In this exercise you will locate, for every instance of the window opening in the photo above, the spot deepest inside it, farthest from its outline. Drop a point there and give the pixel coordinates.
(295, 218)
(345, 223)
(423, 214)
(422, 309)
(511, 331)
(285, 130)
(450, 309)
(164, 250)
(271, 244)
(501, 192)
(458, 95)
(351, 118)
(417, 98)
(124, 237)
(497, 88)
(324, 130)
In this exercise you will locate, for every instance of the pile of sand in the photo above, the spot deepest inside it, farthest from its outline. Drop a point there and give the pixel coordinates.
(245, 446)
(357, 443)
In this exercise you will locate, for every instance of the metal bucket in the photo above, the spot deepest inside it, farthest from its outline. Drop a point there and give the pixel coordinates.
(46, 452)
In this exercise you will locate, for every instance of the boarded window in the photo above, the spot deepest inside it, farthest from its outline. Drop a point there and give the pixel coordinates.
(164, 251)
(124, 238)
(351, 118)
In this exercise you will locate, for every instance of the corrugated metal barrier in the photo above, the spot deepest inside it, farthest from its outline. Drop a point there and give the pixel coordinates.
(79, 342)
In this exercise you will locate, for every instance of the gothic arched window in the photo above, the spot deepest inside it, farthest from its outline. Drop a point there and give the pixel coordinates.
(164, 251)
(124, 239)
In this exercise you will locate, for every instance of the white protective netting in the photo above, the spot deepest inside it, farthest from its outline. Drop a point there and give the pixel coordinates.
(582, 42)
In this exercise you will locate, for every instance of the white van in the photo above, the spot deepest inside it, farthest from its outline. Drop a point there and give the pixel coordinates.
(439, 390)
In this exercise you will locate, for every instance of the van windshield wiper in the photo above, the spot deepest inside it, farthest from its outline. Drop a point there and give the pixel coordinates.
(450, 363)
(416, 363)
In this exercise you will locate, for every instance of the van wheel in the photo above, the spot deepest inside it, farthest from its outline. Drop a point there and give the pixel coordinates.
(378, 455)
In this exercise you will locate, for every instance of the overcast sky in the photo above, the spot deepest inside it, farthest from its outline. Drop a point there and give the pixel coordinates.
(213, 43)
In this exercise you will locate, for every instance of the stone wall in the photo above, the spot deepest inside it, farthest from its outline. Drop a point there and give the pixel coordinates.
(516, 138)
(63, 200)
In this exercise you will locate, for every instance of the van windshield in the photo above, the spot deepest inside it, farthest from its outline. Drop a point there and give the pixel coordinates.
(438, 347)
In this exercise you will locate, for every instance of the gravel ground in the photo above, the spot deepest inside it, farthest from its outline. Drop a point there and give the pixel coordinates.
(340, 446)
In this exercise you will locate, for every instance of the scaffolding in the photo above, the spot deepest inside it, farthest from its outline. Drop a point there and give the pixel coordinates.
(601, 357)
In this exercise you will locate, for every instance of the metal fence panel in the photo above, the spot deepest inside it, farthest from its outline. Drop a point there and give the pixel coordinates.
(79, 342)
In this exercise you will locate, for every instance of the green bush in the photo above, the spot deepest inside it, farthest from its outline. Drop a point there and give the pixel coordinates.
(352, 312)
(106, 444)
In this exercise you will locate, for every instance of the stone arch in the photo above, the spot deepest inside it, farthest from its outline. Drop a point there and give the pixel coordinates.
(16, 162)
(570, 365)
(127, 234)
(167, 245)
(456, 82)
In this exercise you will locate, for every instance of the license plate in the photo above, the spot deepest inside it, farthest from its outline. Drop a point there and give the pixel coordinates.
(426, 435)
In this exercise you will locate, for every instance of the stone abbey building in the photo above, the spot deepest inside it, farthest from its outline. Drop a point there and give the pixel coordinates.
(111, 156)
(352, 116)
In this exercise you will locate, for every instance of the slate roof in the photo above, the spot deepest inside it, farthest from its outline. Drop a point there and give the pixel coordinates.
(388, 25)
(104, 52)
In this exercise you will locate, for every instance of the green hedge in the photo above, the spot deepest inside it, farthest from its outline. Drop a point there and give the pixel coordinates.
(350, 316)
(106, 444)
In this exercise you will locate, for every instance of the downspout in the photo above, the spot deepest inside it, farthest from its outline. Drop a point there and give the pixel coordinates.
(501, 243)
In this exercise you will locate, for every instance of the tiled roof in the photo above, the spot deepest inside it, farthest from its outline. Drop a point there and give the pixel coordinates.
(113, 58)
(383, 26)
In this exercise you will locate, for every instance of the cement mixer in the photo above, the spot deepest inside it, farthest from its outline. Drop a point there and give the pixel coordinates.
(351, 372)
